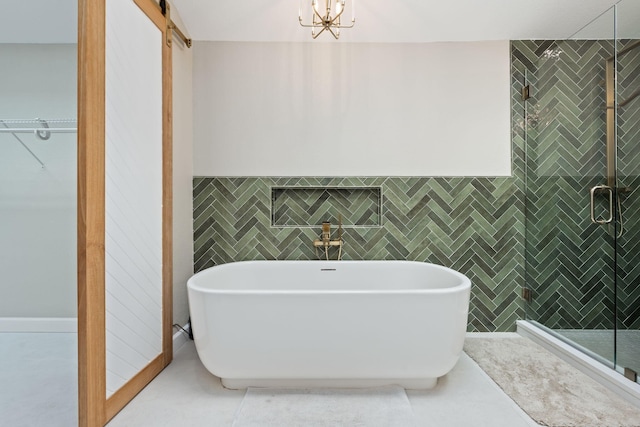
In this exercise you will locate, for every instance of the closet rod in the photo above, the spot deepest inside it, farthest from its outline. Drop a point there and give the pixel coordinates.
(36, 129)
(42, 128)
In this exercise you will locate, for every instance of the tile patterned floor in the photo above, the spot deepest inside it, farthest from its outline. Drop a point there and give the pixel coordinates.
(38, 392)
(186, 394)
(38, 379)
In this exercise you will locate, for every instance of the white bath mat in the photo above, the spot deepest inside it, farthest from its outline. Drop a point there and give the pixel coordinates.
(368, 407)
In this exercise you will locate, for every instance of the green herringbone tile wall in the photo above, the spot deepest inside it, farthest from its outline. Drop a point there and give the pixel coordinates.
(628, 256)
(474, 225)
(310, 206)
(570, 261)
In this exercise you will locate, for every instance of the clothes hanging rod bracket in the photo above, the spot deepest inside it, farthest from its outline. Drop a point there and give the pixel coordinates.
(23, 145)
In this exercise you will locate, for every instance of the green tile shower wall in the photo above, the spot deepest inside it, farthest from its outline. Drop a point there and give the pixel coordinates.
(570, 262)
(568, 258)
(628, 256)
(475, 225)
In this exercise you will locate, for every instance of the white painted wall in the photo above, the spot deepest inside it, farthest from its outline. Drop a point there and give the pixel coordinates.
(351, 109)
(182, 174)
(38, 206)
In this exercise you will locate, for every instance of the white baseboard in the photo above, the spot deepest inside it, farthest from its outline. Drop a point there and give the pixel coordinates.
(180, 338)
(38, 324)
(62, 324)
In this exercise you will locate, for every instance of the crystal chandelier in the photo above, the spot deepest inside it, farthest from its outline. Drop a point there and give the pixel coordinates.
(326, 15)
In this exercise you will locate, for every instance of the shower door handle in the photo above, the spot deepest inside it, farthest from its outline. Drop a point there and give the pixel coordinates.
(593, 192)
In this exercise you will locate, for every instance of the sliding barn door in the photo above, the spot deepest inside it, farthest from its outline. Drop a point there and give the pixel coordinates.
(133, 190)
(124, 203)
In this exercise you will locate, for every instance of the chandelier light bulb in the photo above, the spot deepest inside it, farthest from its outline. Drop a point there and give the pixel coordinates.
(329, 18)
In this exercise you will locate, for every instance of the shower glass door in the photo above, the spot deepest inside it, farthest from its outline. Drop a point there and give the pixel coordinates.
(627, 126)
(582, 175)
(570, 260)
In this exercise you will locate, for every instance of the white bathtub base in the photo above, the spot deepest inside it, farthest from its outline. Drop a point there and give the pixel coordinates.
(406, 383)
(329, 323)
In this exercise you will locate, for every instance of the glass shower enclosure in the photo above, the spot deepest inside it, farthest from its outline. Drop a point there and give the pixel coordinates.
(582, 149)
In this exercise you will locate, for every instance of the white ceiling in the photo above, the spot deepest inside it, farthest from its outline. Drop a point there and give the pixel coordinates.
(388, 21)
(381, 21)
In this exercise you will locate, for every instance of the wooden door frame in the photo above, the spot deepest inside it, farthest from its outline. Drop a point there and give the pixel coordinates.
(94, 409)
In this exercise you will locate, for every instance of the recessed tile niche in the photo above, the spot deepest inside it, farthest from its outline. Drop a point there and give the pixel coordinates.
(310, 206)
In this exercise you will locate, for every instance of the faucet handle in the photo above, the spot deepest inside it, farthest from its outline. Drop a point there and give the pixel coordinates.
(326, 232)
(326, 227)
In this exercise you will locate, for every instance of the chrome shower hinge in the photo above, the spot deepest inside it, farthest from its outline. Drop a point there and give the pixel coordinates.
(527, 294)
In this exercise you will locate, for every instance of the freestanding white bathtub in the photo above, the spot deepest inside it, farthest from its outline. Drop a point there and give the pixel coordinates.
(329, 323)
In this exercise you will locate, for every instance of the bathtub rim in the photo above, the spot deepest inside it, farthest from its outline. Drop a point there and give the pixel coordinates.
(464, 285)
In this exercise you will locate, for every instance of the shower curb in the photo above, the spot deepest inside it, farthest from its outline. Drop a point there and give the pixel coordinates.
(602, 374)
